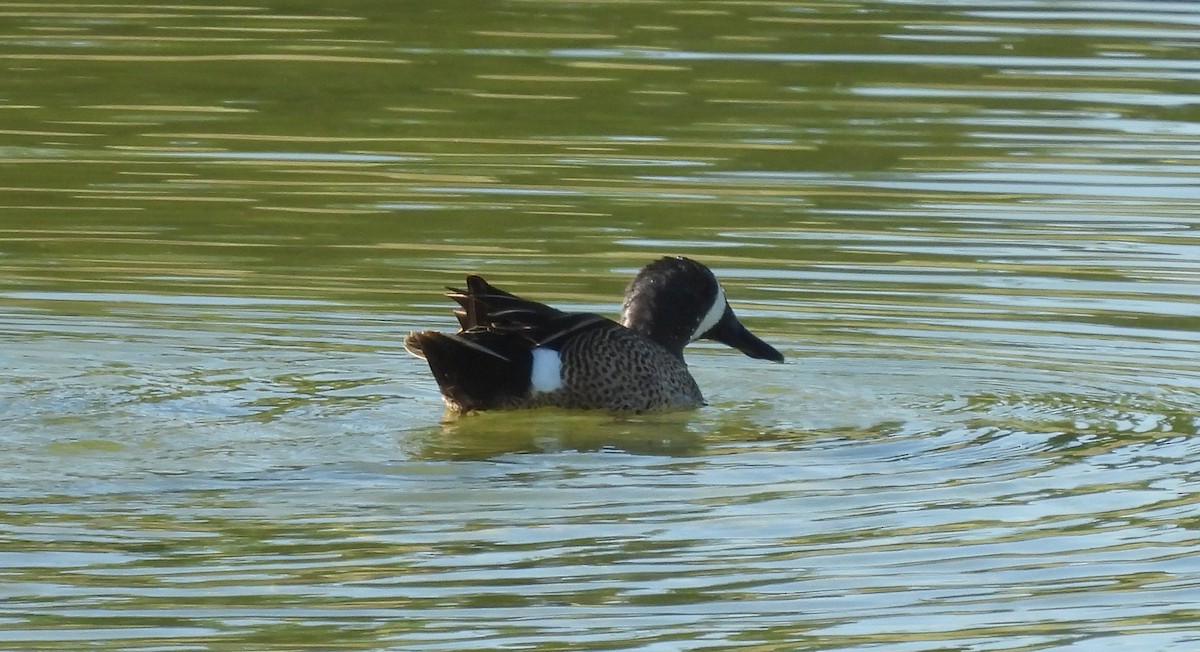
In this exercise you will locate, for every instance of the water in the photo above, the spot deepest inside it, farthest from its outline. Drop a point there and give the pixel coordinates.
(970, 229)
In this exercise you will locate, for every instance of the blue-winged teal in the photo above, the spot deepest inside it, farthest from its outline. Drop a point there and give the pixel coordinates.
(516, 353)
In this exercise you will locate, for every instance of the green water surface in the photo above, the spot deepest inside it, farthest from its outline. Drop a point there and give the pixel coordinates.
(971, 228)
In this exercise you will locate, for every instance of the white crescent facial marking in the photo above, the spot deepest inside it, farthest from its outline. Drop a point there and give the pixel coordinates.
(713, 316)
(546, 375)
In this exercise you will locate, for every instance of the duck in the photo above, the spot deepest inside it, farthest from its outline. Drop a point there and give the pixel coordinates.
(514, 353)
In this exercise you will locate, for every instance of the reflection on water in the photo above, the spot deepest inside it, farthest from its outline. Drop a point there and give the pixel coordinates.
(972, 232)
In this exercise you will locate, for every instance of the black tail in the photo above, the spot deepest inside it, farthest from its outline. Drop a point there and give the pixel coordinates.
(478, 370)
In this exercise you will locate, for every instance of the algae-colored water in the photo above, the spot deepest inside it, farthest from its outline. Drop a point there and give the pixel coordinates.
(971, 229)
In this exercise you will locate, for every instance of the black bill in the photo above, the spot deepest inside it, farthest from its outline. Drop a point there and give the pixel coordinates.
(730, 331)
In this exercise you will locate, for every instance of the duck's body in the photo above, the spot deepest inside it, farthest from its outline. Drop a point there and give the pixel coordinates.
(516, 353)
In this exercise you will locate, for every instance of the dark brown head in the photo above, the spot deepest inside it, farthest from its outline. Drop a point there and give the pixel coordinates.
(676, 300)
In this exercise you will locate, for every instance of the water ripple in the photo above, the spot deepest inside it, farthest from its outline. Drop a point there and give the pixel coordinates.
(971, 230)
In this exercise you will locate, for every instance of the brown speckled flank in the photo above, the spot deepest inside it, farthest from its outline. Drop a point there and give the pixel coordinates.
(617, 369)
(515, 353)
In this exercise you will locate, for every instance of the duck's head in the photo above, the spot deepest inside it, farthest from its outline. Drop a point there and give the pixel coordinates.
(676, 300)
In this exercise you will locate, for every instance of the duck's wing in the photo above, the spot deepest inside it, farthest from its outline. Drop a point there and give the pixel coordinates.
(484, 305)
(484, 308)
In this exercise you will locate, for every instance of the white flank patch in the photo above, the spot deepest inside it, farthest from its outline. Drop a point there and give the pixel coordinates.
(547, 370)
(715, 312)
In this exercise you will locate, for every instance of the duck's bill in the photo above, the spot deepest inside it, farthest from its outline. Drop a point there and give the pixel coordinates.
(730, 331)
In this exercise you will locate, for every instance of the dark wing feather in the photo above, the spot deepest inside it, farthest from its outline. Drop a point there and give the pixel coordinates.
(486, 308)
(484, 305)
